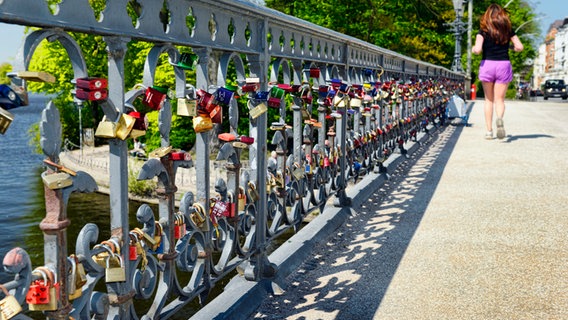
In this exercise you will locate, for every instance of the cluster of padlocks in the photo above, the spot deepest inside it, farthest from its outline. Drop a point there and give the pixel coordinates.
(374, 119)
(352, 107)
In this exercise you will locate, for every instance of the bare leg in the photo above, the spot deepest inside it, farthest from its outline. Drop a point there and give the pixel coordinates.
(489, 100)
(500, 89)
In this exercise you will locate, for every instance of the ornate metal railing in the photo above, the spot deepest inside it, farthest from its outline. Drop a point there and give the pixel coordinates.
(352, 104)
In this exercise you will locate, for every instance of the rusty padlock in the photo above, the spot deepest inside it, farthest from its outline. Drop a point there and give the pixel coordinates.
(9, 306)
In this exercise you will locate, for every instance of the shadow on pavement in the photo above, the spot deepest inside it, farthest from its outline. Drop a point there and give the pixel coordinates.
(527, 136)
(348, 276)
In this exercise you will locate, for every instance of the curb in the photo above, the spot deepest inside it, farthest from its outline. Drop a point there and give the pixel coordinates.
(241, 297)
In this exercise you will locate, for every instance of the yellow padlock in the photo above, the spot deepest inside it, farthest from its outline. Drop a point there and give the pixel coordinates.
(9, 306)
(242, 199)
(115, 274)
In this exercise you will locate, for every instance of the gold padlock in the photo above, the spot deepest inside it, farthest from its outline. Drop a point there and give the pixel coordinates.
(186, 107)
(6, 119)
(242, 199)
(106, 129)
(198, 216)
(146, 237)
(125, 125)
(78, 278)
(253, 193)
(258, 110)
(9, 306)
(56, 180)
(115, 274)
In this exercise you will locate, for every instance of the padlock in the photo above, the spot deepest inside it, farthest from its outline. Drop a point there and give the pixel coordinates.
(314, 72)
(205, 102)
(115, 273)
(198, 216)
(232, 212)
(202, 124)
(186, 107)
(179, 227)
(253, 193)
(124, 126)
(242, 199)
(276, 95)
(91, 83)
(43, 295)
(223, 96)
(158, 238)
(91, 95)
(56, 180)
(6, 119)
(188, 61)
(150, 242)
(106, 129)
(251, 85)
(258, 110)
(154, 97)
(132, 247)
(75, 282)
(180, 156)
(216, 114)
(219, 208)
(9, 306)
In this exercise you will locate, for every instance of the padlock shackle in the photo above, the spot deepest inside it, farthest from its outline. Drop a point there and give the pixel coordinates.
(3, 288)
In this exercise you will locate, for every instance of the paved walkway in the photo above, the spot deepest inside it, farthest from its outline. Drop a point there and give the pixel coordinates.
(473, 229)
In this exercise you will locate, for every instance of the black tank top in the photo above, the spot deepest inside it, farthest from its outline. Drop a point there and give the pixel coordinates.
(492, 50)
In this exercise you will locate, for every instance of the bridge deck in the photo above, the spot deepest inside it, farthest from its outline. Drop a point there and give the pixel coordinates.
(473, 229)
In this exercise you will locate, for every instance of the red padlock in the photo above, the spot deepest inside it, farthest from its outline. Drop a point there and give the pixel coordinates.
(132, 251)
(216, 114)
(141, 120)
(179, 227)
(314, 73)
(94, 95)
(274, 102)
(180, 156)
(247, 140)
(220, 209)
(90, 84)
(154, 98)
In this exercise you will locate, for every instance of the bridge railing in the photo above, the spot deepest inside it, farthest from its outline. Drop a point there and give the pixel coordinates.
(353, 104)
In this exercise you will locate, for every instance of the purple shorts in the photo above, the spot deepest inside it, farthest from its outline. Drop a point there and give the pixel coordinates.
(496, 71)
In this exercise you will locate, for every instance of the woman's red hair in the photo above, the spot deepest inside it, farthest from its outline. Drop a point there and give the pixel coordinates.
(496, 23)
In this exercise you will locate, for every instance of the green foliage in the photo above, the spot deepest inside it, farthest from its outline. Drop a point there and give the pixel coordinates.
(4, 69)
(143, 188)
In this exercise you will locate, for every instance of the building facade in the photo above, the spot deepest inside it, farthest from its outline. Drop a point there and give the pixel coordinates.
(552, 60)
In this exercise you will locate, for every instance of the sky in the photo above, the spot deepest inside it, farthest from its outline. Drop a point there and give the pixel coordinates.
(547, 12)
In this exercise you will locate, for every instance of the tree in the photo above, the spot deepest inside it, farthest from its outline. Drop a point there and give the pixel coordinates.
(4, 69)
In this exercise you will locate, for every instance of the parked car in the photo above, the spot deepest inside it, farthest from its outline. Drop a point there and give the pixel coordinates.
(555, 88)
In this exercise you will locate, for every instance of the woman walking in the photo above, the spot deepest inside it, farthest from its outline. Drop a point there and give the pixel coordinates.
(495, 71)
